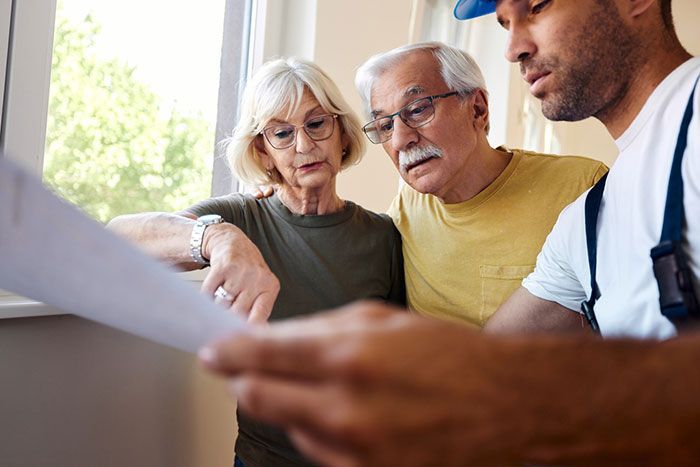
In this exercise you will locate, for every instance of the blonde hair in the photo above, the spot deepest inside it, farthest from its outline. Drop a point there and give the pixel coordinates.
(279, 86)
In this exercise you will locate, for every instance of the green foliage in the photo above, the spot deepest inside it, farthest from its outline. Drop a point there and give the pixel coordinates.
(111, 148)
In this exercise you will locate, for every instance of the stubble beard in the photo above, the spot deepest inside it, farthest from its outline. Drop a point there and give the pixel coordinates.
(594, 75)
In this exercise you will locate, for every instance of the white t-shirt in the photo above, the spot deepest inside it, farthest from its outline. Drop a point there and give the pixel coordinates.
(630, 220)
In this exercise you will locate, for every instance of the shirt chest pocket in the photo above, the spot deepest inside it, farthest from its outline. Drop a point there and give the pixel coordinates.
(497, 284)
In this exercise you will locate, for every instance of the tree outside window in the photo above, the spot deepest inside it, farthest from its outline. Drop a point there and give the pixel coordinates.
(113, 146)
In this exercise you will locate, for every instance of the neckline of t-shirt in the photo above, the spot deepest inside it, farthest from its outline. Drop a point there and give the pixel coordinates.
(651, 105)
(493, 187)
(324, 220)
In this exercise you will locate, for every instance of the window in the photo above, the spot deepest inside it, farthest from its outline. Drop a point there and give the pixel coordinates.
(438, 24)
(122, 100)
(120, 104)
(131, 113)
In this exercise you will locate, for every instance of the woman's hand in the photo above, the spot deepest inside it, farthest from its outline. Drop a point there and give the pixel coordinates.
(239, 278)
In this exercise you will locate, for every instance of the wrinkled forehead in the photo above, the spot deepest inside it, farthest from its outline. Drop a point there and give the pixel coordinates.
(382, 104)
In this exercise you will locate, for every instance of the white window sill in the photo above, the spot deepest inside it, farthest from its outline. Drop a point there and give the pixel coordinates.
(18, 307)
(14, 306)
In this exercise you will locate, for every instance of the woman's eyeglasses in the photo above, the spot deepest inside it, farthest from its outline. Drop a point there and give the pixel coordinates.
(318, 128)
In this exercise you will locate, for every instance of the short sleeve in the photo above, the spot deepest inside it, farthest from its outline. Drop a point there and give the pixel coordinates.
(602, 170)
(230, 207)
(554, 277)
(394, 210)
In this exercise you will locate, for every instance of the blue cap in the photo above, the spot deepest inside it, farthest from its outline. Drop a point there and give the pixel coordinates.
(468, 9)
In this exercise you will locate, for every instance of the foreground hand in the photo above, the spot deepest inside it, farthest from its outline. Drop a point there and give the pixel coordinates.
(239, 278)
(367, 386)
(370, 386)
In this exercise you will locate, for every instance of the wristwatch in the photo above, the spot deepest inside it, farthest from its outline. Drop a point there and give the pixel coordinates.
(198, 236)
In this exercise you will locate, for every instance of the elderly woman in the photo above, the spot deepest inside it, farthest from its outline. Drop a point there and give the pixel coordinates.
(304, 245)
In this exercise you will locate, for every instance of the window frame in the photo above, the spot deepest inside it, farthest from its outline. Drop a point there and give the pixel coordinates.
(27, 79)
(25, 73)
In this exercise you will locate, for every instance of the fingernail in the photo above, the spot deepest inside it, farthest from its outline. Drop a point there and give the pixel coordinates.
(235, 387)
(207, 355)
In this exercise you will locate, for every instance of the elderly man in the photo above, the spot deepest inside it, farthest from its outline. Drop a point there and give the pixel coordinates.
(472, 218)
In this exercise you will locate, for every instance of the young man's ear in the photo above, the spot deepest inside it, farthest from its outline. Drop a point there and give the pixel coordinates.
(635, 8)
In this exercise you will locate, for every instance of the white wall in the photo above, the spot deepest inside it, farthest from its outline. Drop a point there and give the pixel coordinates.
(339, 36)
(348, 33)
(75, 393)
(686, 16)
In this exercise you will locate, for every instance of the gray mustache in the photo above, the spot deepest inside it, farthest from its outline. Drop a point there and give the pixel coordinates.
(417, 154)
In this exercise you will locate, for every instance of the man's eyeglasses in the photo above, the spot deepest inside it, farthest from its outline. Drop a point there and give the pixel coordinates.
(318, 128)
(416, 114)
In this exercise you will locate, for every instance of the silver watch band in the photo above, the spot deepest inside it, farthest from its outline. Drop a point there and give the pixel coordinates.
(197, 236)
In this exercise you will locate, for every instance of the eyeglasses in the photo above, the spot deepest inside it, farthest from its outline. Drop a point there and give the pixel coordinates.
(416, 114)
(318, 128)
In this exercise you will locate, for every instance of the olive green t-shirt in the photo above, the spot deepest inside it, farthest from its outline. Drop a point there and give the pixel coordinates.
(322, 262)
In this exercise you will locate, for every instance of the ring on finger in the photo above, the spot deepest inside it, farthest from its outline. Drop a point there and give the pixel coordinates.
(222, 293)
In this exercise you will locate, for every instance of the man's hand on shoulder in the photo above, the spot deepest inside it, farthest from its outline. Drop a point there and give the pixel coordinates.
(262, 191)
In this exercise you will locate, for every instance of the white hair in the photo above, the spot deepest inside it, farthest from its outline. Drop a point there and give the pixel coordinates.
(277, 87)
(458, 69)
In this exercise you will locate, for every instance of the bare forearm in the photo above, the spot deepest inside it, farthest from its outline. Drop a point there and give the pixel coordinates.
(523, 313)
(163, 235)
(606, 403)
(237, 266)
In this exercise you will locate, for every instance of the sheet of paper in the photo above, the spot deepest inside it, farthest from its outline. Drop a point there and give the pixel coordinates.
(51, 252)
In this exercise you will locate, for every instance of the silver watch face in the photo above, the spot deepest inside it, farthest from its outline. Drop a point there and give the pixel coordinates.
(210, 219)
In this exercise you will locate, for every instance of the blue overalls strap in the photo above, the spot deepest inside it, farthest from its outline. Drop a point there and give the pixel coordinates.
(593, 200)
(672, 225)
(673, 213)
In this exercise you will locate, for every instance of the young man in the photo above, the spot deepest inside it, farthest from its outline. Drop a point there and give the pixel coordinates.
(368, 386)
(639, 89)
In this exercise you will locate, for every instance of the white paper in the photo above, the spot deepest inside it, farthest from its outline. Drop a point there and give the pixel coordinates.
(51, 252)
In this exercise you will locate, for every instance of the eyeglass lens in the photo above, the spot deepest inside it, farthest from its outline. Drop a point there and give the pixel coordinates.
(283, 136)
(415, 114)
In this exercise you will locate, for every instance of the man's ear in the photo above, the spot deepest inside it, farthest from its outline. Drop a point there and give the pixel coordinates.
(632, 9)
(480, 107)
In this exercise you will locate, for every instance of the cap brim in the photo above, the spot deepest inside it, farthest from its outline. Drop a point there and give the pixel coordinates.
(468, 9)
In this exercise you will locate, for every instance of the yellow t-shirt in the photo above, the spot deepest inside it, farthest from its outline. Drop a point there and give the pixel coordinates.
(463, 260)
